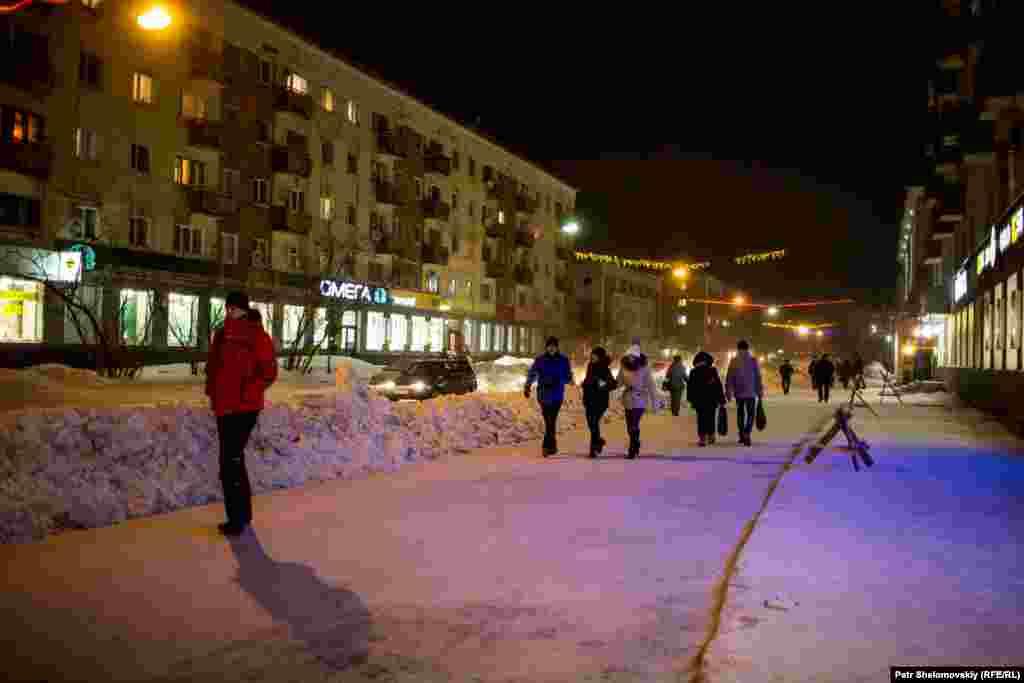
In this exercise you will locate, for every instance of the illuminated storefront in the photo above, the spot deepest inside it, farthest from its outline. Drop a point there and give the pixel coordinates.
(21, 318)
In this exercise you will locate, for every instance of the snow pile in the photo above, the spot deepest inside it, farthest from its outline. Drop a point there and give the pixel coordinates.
(504, 375)
(90, 467)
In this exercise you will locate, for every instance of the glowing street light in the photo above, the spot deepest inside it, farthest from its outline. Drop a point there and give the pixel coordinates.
(571, 228)
(802, 331)
(681, 271)
(772, 310)
(156, 19)
(820, 333)
(738, 300)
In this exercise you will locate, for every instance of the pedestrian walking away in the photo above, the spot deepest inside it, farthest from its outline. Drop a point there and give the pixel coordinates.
(240, 367)
(786, 371)
(845, 372)
(743, 382)
(638, 393)
(824, 372)
(810, 372)
(675, 383)
(705, 393)
(551, 372)
(597, 387)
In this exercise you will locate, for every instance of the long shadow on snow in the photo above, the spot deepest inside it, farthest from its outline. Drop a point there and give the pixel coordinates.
(333, 623)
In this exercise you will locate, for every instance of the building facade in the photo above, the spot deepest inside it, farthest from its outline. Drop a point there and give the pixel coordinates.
(223, 152)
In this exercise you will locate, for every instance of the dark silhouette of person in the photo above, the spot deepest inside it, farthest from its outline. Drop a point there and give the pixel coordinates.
(824, 375)
(786, 371)
(332, 622)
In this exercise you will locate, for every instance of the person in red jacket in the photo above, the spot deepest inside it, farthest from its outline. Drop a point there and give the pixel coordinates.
(240, 368)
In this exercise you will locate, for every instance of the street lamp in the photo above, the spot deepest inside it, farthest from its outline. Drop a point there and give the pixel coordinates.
(820, 333)
(802, 331)
(155, 19)
(571, 228)
(681, 271)
(772, 310)
(738, 300)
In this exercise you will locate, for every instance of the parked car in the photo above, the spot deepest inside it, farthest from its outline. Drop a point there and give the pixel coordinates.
(426, 378)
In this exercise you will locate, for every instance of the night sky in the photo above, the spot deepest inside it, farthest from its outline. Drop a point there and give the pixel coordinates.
(687, 134)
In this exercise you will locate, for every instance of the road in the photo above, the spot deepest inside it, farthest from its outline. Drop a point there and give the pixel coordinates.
(503, 566)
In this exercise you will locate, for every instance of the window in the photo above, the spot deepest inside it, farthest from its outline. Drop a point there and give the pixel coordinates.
(267, 313)
(472, 168)
(90, 218)
(351, 214)
(296, 84)
(262, 131)
(453, 286)
(140, 158)
(260, 250)
(229, 247)
(231, 180)
(376, 331)
(327, 99)
(136, 316)
(486, 330)
(293, 327)
(188, 240)
(324, 258)
(293, 258)
(485, 292)
(265, 73)
(21, 126)
(327, 208)
(182, 320)
(92, 4)
(189, 171)
(352, 112)
(455, 200)
(501, 217)
(471, 208)
(296, 201)
(484, 213)
(142, 88)
(194, 106)
(86, 144)
(19, 210)
(419, 188)
(455, 159)
(90, 70)
(353, 164)
(469, 288)
(420, 333)
(398, 333)
(433, 282)
(455, 244)
(327, 152)
(259, 191)
(138, 228)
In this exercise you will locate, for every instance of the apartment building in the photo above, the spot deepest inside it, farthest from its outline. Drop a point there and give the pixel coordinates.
(223, 152)
(963, 220)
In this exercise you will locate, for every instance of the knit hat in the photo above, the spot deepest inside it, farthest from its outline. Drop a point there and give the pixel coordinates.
(552, 341)
(238, 300)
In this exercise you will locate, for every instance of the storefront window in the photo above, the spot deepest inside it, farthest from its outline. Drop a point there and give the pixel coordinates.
(294, 326)
(513, 339)
(218, 310)
(376, 331)
(1011, 318)
(320, 327)
(136, 316)
(420, 333)
(21, 313)
(267, 311)
(182, 320)
(399, 333)
(524, 340)
(437, 334)
(499, 337)
(485, 336)
(467, 335)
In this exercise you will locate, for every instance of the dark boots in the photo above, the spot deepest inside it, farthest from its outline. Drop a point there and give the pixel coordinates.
(634, 445)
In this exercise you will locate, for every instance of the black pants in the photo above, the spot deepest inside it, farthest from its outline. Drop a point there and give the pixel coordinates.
(233, 432)
(550, 411)
(594, 415)
(633, 416)
(706, 422)
(677, 400)
(823, 390)
(745, 415)
(786, 382)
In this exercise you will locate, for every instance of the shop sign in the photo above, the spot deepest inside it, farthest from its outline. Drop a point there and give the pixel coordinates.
(88, 255)
(1004, 238)
(15, 308)
(960, 286)
(1016, 225)
(355, 291)
(413, 299)
(17, 295)
(63, 267)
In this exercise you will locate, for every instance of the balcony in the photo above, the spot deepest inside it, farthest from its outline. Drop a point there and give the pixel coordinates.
(437, 255)
(206, 65)
(291, 159)
(388, 143)
(28, 67)
(206, 201)
(524, 276)
(943, 231)
(299, 222)
(933, 253)
(291, 101)
(29, 158)
(525, 238)
(561, 283)
(435, 209)
(438, 164)
(563, 253)
(204, 133)
(494, 269)
(386, 192)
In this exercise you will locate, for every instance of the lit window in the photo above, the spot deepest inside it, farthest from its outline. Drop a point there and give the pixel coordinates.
(189, 172)
(433, 282)
(453, 286)
(296, 84)
(327, 100)
(182, 319)
(194, 106)
(142, 88)
(90, 219)
(352, 112)
(92, 4)
(327, 208)
(501, 217)
(229, 247)
(136, 316)
(18, 127)
(138, 228)
(188, 240)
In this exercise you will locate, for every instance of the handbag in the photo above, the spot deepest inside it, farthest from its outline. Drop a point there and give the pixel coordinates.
(666, 386)
(723, 421)
(760, 420)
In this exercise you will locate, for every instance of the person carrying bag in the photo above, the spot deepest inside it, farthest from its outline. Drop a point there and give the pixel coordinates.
(761, 421)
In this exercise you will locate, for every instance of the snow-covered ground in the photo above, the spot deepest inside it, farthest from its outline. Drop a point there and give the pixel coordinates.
(77, 450)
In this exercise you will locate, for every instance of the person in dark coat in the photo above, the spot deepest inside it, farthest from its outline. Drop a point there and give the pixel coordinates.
(857, 371)
(810, 371)
(240, 368)
(551, 372)
(824, 376)
(845, 372)
(597, 386)
(706, 394)
(675, 380)
(786, 371)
